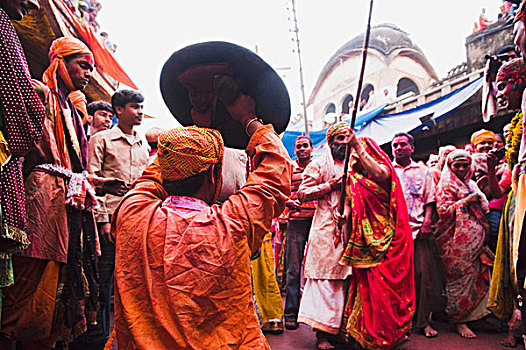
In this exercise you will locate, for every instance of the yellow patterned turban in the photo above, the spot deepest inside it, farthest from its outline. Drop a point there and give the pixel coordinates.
(188, 151)
(482, 135)
(336, 129)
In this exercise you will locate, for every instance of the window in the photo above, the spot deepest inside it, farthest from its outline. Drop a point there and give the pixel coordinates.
(346, 102)
(330, 108)
(406, 85)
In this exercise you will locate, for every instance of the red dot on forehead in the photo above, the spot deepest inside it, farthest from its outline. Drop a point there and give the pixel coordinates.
(90, 59)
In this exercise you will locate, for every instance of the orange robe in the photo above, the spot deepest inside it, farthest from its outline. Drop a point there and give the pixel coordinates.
(182, 274)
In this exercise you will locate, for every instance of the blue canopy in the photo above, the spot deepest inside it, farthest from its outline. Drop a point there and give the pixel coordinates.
(318, 137)
(383, 128)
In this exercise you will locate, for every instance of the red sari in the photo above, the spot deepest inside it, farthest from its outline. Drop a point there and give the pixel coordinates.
(381, 299)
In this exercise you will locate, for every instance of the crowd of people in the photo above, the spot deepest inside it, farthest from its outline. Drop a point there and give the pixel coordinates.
(87, 11)
(506, 12)
(180, 229)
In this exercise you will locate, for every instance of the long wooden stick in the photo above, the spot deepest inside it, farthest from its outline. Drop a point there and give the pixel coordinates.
(355, 109)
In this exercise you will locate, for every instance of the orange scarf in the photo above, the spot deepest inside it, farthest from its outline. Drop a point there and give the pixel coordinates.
(59, 49)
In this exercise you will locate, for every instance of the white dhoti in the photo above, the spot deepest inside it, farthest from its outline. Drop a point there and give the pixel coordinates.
(322, 304)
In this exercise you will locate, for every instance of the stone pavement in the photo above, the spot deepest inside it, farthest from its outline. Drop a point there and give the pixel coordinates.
(304, 338)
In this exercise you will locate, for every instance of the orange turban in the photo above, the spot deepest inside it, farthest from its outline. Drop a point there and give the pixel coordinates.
(336, 129)
(482, 135)
(188, 151)
(60, 48)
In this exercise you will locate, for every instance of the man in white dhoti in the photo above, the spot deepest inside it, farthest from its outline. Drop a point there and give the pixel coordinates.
(323, 300)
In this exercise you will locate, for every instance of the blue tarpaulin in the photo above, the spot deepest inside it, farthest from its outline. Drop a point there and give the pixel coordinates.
(318, 137)
(383, 128)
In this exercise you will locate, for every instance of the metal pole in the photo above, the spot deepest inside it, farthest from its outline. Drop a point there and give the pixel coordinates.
(302, 86)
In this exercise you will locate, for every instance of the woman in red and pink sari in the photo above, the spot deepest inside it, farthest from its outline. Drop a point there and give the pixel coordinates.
(461, 234)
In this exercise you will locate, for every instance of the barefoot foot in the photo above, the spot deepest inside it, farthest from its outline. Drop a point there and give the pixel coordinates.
(430, 332)
(509, 341)
(322, 341)
(464, 331)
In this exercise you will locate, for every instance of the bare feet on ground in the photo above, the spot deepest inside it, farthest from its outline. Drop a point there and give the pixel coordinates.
(430, 332)
(509, 341)
(322, 341)
(464, 331)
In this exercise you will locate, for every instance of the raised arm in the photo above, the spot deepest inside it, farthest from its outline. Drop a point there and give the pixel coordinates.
(263, 196)
(378, 172)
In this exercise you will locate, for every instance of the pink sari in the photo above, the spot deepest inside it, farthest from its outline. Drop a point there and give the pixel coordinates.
(462, 231)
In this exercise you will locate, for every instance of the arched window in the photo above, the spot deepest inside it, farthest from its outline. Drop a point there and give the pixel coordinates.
(406, 85)
(331, 108)
(345, 103)
(366, 91)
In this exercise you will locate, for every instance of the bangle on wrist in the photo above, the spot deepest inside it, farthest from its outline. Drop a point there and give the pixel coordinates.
(247, 125)
(244, 121)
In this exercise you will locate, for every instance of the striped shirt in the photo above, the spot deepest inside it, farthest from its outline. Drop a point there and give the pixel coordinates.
(307, 208)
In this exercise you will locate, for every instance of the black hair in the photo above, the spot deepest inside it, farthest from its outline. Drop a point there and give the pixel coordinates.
(189, 186)
(99, 106)
(122, 97)
(409, 137)
(506, 49)
(304, 137)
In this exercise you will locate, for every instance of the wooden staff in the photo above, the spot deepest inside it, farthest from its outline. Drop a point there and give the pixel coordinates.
(353, 117)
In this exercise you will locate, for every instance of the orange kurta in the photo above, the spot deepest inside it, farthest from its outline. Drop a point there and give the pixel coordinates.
(182, 276)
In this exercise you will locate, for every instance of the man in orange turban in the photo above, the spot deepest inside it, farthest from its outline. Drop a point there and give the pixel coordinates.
(60, 226)
(194, 255)
(483, 140)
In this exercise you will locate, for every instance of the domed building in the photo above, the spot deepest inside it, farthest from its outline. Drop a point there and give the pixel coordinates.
(395, 67)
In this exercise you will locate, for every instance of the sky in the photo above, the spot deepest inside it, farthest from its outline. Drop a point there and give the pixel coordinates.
(147, 33)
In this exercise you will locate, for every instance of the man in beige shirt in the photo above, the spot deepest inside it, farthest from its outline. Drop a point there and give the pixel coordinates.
(117, 152)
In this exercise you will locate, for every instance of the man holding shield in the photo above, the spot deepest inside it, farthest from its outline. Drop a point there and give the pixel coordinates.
(182, 277)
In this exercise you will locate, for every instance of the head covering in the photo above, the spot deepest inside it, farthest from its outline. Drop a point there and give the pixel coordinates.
(513, 71)
(432, 158)
(458, 154)
(445, 150)
(481, 136)
(336, 129)
(188, 151)
(60, 48)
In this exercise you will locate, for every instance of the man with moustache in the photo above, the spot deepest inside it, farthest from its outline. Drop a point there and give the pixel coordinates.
(419, 193)
(298, 227)
(323, 300)
(50, 296)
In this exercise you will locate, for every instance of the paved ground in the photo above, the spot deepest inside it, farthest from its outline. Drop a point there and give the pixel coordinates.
(304, 338)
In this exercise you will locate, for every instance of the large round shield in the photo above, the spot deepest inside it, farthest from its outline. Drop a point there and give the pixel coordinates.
(253, 75)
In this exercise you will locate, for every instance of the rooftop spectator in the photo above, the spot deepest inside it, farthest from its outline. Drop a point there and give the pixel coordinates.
(483, 20)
